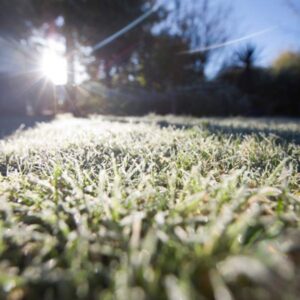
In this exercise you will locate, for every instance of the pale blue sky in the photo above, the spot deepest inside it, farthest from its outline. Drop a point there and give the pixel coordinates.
(255, 15)
(251, 16)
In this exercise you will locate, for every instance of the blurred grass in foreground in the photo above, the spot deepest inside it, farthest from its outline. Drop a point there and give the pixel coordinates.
(142, 208)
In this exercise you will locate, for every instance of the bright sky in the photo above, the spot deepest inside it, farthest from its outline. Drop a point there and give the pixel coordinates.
(252, 16)
(255, 15)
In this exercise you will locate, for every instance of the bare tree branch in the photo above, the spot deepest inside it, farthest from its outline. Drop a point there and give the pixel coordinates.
(202, 24)
(294, 7)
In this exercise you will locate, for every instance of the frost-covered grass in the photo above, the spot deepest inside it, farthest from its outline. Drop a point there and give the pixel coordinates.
(151, 208)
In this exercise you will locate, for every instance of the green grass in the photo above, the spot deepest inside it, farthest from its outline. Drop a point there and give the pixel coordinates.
(151, 208)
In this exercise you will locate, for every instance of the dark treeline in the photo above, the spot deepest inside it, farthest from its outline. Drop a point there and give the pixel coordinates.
(148, 69)
(269, 91)
(240, 88)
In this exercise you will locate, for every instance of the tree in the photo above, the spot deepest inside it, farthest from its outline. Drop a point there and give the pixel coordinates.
(203, 25)
(85, 24)
(162, 68)
(272, 91)
(246, 57)
(286, 73)
(241, 70)
(287, 61)
(13, 17)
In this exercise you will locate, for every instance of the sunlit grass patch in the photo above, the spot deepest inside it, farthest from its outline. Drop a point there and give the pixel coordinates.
(130, 209)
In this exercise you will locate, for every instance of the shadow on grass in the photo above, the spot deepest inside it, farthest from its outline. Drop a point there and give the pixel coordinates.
(286, 129)
(285, 135)
(10, 124)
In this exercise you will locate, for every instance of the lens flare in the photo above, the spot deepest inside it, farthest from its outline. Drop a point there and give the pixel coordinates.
(54, 67)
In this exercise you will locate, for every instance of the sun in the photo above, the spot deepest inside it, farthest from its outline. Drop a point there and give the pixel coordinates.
(54, 67)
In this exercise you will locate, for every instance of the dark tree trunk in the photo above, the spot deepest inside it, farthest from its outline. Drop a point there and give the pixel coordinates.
(71, 87)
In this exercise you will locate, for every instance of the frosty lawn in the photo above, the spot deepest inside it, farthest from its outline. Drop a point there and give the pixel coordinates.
(151, 208)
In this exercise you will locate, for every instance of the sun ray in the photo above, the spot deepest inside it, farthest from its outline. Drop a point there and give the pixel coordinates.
(54, 67)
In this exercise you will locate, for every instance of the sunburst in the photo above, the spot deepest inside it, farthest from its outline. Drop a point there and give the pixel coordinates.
(54, 66)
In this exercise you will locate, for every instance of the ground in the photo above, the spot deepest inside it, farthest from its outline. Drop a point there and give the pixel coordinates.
(151, 208)
(11, 124)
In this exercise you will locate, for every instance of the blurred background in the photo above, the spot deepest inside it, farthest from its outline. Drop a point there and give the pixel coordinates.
(134, 57)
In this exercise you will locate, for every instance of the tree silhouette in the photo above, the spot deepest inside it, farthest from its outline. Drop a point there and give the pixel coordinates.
(241, 70)
(202, 24)
(85, 24)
